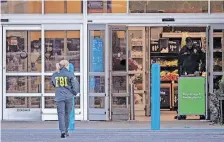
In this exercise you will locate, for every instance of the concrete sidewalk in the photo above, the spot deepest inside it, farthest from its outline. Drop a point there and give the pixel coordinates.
(123, 131)
(183, 124)
(112, 135)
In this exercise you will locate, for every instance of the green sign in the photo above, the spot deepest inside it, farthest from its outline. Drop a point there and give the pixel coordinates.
(191, 96)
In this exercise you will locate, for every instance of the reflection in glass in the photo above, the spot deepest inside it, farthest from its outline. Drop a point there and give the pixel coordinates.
(69, 6)
(49, 102)
(217, 6)
(96, 102)
(23, 51)
(56, 49)
(135, 62)
(218, 54)
(49, 88)
(137, 81)
(119, 84)
(102, 6)
(77, 102)
(72, 53)
(96, 51)
(119, 51)
(23, 102)
(152, 6)
(119, 102)
(138, 99)
(34, 57)
(20, 7)
(23, 84)
(216, 81)
(96, 84)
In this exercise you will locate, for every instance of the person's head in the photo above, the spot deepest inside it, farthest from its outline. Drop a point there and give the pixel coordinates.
(189, 43)
(62, 64)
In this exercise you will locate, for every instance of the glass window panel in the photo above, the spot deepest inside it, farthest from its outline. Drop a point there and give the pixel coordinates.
(57, 7)
(216, 82)
(97, 84)
(54, 49)
(49, 88)
(77, 102)
(218, 48)
(139, 99)
(51, 6)
(119, 51)
(96, 102)
(74, 6)
(96, 51)
(135, 62)
(57, 49)
(107, 6)
(137, 80)
(23, 84)
(23, 51)
(217, 6)
(23, 102)
(119, 102)
(21, 7)
(49, 102)
(119, 84)
(72, 52)
(34, 56)
(151, 6)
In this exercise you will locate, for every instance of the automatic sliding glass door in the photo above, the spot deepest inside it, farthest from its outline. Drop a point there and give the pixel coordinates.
(61, 43)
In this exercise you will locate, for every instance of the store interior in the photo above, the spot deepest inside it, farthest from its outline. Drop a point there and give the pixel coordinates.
(161, 44)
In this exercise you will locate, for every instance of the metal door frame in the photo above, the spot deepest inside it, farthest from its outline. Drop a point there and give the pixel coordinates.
(51, 114)
(99, 113)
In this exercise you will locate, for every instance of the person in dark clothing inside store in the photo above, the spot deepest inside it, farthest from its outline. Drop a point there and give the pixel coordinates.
(191, 61)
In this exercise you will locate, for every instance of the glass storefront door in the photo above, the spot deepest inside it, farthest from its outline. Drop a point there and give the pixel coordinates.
(61, 42)
(119, 92)
(97, 73)
(22, 73)
(216, 63)
(30, 54)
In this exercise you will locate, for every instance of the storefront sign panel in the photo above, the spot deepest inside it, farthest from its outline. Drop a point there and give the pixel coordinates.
(97, 55)
(191, 96)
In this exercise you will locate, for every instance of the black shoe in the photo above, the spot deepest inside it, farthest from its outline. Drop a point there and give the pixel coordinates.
(62, 135)
(67, 134)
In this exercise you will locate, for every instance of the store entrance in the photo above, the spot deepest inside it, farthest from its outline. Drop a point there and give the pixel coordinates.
(132, 51)
(166, 47)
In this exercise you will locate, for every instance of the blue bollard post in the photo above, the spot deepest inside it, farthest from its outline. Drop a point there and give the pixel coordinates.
(72, 114)
(155, 97)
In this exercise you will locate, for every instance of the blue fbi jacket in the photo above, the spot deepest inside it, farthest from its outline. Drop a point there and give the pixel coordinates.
(66, 85)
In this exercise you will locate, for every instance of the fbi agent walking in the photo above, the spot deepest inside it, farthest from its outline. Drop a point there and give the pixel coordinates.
(66, 86)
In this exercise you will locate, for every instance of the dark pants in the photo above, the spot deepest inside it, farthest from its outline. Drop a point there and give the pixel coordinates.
(64, 108)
